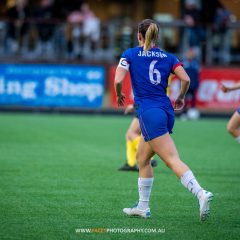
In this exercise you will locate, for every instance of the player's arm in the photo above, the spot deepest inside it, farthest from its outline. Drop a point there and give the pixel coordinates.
(120, 74)
(119, 77)
(232, 88)
(185, 82)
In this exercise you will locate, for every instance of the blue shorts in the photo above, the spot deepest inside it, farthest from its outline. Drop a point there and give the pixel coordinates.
(155, 122)
(238, 110)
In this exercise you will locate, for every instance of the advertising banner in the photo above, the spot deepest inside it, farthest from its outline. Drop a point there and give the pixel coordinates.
(209, 94)
(40, 85)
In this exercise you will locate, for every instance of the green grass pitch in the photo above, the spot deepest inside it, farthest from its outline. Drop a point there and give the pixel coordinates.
(59, 173)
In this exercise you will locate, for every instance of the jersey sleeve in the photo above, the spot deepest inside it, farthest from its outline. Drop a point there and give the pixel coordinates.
(175, 63)
(125, 60)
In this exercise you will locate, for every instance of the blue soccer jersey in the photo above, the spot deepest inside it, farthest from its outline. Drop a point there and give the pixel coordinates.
(149, 76)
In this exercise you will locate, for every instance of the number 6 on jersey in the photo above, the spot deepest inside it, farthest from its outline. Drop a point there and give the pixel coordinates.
(155, 71)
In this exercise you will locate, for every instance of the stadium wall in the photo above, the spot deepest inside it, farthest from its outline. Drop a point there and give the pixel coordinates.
(90, 89)
(209, 97)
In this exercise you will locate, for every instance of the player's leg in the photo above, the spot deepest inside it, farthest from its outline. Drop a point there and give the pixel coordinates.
(145, 181)
(133, 131)
(144, 154)
(156, 125)
(132, 142)
(166, 150)
(132, 139)
(233, 126)
(168, 153)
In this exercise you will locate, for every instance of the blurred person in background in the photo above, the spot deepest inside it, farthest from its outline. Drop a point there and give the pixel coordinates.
(18, 27)
(216, 17)
(83, 29)
(192, 67)
(124, 36)
(73, 33)
(91, 26)
(222, 18)
(192, 17)
(233, 126)
(45, 15)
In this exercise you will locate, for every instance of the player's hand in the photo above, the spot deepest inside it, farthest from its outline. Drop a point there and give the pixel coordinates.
(121, 100)
(179, 104)
(224, 88)
(129, 108)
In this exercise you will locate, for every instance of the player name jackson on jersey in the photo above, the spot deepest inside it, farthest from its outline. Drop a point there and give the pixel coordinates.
(151, 54)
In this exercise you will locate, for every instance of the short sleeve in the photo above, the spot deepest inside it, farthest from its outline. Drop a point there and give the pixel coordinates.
(127, 55)
(175, 63)
(125, 60)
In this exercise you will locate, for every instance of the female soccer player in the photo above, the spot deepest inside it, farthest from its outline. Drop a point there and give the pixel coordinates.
(150, 68)
(233, 126)
(133, 137)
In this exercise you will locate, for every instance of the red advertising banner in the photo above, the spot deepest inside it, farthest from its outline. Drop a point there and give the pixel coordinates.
(209, 94)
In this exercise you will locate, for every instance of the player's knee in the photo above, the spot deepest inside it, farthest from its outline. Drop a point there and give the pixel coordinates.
(230, 129)
(142, 162)
(127, 136)
(130, 135)
(138, 157)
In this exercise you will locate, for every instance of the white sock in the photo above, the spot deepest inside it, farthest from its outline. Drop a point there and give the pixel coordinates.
(189, 181)
(238, 139)
(144, 190)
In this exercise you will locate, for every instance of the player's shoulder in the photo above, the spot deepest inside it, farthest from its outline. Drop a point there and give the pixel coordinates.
(173, 59)
(130, 53)
(168, 54)
(163, 54)
(133, 49)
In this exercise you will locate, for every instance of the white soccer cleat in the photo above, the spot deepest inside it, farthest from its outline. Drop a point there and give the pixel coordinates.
(137, 212)
(204, 204)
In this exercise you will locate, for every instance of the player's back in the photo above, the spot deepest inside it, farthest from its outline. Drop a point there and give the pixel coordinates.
(149, 75)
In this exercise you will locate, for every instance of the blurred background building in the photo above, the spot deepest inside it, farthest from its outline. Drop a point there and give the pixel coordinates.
(95, 32)
(100, 30)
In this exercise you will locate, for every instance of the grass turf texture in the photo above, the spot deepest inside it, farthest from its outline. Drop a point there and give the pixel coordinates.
(59, 173)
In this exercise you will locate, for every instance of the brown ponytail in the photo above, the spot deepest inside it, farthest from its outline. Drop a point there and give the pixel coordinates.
(149, 30)
(151, 36)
